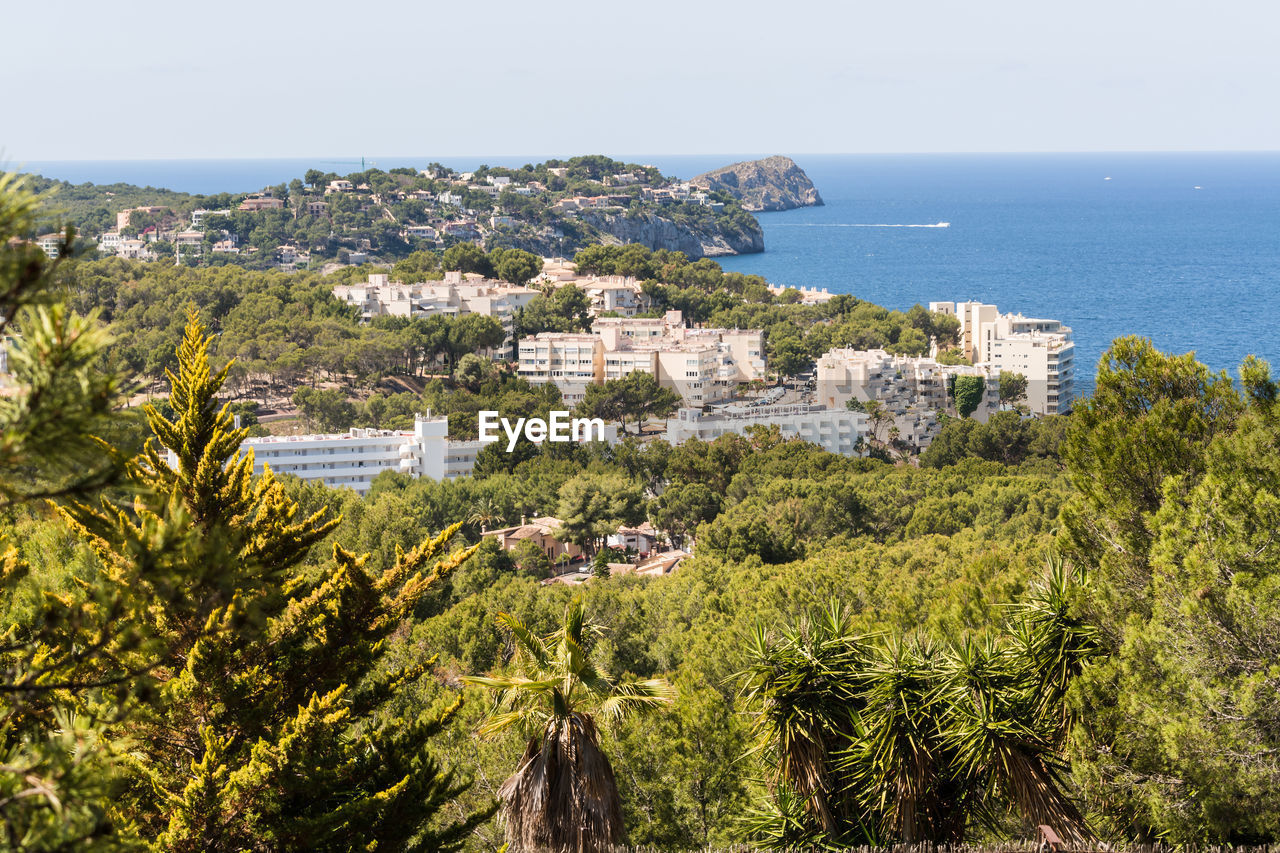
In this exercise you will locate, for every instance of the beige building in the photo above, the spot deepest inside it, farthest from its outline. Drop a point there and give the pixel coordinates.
(703, 366)
(570, 361)
(541, 532)
(1039, 349)
(912, 389)
(455, 295)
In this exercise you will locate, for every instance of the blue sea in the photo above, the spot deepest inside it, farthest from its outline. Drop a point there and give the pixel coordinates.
(1181, 248)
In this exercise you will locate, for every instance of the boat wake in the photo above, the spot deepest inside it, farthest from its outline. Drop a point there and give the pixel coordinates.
(856, 225)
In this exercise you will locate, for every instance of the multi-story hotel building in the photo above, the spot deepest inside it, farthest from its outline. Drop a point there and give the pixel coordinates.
(354, 458)
(914, 390)
(704, 366)
(455, 295)
(834, 430)
(1041, 350)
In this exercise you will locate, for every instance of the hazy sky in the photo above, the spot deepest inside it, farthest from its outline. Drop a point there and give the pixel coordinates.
(375, 77)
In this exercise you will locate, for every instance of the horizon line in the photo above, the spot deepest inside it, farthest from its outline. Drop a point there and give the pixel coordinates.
(754, 155)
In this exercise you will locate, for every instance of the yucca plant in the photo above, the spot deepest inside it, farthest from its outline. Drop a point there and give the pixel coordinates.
(804, 686)
(905, 741)
(563, 796)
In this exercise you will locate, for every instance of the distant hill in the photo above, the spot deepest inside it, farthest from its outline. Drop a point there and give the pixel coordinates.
(774, 183)
(554, 208)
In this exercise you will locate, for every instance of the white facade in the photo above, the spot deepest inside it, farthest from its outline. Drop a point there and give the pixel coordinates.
(354, 458)
(703, 366)
(913, 390)
(834, 430)
(1041, 350)
(452, 297)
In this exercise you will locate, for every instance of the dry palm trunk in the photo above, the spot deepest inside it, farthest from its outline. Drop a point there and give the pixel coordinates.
(563, 798)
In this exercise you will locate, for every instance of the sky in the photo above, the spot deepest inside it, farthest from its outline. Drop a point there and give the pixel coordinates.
(262, 79)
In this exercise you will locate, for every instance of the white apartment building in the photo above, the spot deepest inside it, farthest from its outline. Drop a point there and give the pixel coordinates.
(455, 295)
(704, 366)
(913, 389)
(1041, 350)
(354, 458)
(834, 430)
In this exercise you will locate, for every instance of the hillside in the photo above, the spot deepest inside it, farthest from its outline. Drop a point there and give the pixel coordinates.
(554, 208)
(774, 183)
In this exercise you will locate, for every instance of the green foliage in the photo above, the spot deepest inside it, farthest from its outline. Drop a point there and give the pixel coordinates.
(467, 257)
(968, 394)
(1008, 437)
(324, 410)
(636, 396)
(593, 506)
(1013, 387)
(515, 265)
(1175, 472)
(568, 309)
(60, 637)
(263, 665)
(907, 741)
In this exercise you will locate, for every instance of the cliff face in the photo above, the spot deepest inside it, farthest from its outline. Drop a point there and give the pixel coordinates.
(704, 237)
(697, 236)
(774, 183)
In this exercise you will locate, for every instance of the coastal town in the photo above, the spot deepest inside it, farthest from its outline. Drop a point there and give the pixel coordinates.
(375, 216)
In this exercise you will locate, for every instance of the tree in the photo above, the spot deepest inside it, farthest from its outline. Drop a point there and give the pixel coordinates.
(682, 507)
(563, 796)
(907, 742)
(1013, 387)
(600, 565)
(325, 410)
(61, 635)
(467, 257)
(472, 370)
(471, 333)
(593, 506)
(532, 559)
(515, 265)
(264, 729)
(968, 394)
(1176, 480)
(636, 395)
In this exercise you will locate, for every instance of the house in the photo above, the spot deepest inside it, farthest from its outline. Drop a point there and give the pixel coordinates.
(317, 208)
(123, 217)
(338, 186)
(253, 204)
(198, 216)
(51, 244)
(541, 532)
(643, 539)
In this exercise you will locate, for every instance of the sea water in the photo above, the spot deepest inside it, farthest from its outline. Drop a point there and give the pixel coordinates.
(1181, 248)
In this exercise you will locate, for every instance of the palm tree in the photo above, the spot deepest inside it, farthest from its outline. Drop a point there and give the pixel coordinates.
(487, 513)
(563, 795)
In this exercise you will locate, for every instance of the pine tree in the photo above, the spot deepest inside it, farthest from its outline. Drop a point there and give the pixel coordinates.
(264, 732)
(58, 639)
